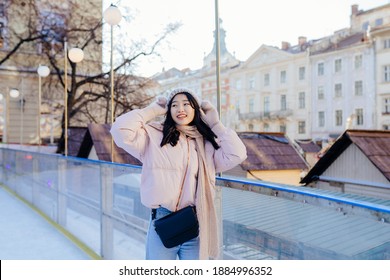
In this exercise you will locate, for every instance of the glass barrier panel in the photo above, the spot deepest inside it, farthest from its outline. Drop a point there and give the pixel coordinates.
(80, 192)
(99, 203)
(130, 218)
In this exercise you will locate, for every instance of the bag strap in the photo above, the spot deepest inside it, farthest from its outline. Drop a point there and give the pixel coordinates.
(185, 173)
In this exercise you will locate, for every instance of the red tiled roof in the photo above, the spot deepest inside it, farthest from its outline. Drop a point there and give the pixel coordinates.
(308, 146)
(376, 146)
(343, 43)
(270, 151)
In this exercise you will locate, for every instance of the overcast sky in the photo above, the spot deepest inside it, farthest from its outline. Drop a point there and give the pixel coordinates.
(248, 25)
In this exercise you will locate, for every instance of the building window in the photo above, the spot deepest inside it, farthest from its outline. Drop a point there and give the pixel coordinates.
(283, 102)
(266, 127)
(302, 73)
(320, 69)
(321, 119)
(365, 26)
(238, 84)
(386, 44)
(386, 105)
(358, 62)
(301, 127)
(358, 88)
(338, 65)
(223, 98)
(359, 117)
(378, 21)
(266, 106)
(283, 77)
(251, 83)
(302, 104)
(320, 93)
(339, 117)
(283, 128)
(237, 107)
(251, 104)
(266, 79)
(386, 71)
(338, 90)
(250, 127)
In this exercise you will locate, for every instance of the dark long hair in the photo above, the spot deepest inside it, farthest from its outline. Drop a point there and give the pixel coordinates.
(171, 134)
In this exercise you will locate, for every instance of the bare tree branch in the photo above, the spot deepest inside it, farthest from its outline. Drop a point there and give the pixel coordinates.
(46, 31)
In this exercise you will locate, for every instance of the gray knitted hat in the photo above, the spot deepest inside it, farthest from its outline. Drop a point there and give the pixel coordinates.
(181, 90)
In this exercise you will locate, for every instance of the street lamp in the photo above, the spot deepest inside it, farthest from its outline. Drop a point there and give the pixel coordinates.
(14, 93)
(43, 71)
(75, 55)
(112, 16)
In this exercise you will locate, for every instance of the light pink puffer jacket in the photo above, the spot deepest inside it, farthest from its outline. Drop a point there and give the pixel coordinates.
(163, 167)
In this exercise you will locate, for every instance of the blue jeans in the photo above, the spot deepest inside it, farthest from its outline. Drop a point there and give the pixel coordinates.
(155, 249)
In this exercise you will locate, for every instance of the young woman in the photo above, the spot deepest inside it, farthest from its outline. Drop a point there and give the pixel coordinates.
(184, 152)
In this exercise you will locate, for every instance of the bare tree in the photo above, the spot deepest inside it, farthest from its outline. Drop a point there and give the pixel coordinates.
(47, 26)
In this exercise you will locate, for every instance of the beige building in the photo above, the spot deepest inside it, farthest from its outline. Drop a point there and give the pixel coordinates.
(314, 89)
(271, 91)
(175, 78)
(377, 21)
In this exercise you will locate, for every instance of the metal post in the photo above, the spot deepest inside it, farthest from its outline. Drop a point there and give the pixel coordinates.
(5, 131)
(106, 206)
(218, 193)
(35, 182)
(112, 89)
(21, 114)
(112, 16)
(66, 96)
(61, 191)
(218, 67)
(39, 109)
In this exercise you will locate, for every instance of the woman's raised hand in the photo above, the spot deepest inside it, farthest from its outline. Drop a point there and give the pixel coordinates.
(210, 115)
(162, 101)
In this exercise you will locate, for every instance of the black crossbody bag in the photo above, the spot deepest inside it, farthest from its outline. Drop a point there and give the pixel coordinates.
(179, 226)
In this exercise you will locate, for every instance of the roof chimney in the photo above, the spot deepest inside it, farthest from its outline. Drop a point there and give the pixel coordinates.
(354, 9)
(285, 45)
(302, 40)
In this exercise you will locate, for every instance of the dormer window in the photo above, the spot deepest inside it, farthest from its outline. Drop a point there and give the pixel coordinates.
(365, 26)
(378, 21)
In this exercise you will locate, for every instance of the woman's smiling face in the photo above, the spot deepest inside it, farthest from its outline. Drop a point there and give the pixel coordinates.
(181, 110)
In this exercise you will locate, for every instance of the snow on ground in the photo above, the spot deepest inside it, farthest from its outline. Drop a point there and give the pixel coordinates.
(25, 235)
